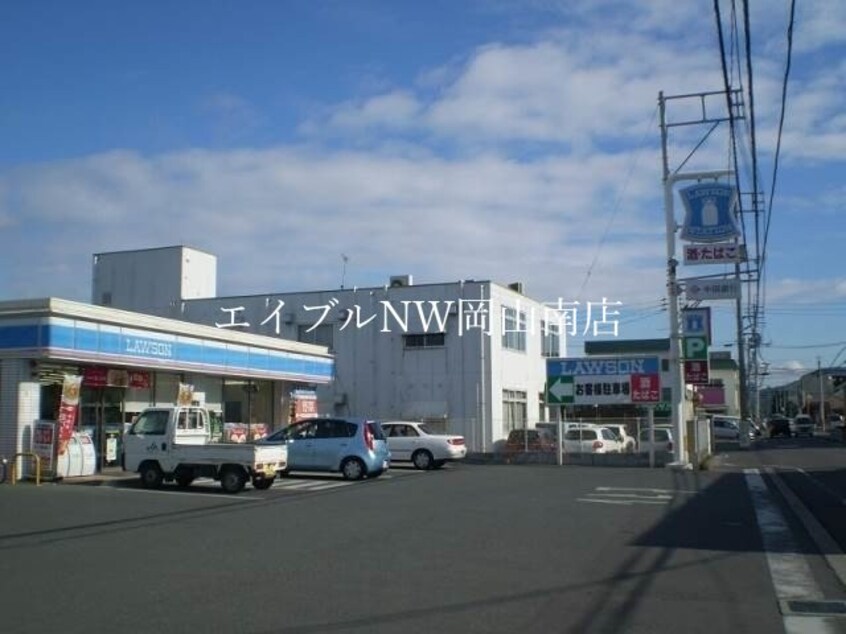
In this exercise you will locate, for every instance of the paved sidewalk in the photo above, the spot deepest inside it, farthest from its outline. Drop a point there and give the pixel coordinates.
(109, 478)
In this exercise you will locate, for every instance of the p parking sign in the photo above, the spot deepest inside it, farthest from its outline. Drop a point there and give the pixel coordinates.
(696, 348)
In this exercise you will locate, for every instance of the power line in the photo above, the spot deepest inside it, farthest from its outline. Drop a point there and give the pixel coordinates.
(780, 128)
(617, 203)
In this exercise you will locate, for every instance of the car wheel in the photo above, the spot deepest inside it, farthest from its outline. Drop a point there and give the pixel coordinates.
(262, 483)
(151, 476)
(439, 464)
(352, 469)
(422, 459)
(233, 479)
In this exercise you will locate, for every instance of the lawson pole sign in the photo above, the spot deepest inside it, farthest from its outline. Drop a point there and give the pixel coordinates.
(603, 380)
(709, 212)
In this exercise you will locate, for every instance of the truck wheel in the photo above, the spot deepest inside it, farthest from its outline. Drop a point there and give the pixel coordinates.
(184, 478)
(151, 475)
(262, 483)
(233, 479)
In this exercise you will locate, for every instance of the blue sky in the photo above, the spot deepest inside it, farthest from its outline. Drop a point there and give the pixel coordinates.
(505, 140)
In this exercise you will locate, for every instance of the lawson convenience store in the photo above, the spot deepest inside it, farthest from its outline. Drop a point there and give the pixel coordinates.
(129, 361)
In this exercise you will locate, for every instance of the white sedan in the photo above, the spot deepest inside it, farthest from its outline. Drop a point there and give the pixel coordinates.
(415, 442)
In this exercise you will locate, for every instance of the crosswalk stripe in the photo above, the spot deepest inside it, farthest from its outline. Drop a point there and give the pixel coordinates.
(310, 485)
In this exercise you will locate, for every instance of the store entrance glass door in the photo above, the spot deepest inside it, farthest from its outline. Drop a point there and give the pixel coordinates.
(101, 416)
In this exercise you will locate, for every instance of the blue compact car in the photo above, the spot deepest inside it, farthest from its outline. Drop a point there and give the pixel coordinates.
(355, 447)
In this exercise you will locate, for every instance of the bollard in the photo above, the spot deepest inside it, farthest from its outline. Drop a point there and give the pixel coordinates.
(25, 454)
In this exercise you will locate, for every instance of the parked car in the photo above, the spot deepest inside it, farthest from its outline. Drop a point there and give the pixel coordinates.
(778, 426)
(802, 424)
(423, 447)
(552, 428)
(755, 430)
(663, 440)
(725, 428)
(529, 440)
(628, 444)
(355, 447)
(591, 440)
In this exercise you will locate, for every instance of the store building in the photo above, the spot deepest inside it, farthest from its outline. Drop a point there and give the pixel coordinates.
(467, 357)
(128, 361)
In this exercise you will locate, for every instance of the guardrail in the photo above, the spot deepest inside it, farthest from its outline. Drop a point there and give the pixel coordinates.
(26, 454)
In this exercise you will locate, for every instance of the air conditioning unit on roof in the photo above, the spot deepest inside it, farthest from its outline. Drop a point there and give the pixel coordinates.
(400, 280)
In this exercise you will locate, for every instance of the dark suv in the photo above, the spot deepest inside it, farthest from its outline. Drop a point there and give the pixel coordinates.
(778, 426)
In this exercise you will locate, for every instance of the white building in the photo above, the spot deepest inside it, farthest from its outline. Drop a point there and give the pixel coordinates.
(467, 356)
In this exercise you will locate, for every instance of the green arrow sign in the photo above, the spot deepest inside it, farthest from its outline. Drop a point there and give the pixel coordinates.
(560, 390)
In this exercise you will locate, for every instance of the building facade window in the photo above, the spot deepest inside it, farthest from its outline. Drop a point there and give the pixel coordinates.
(425, 340)
(514, 410)
(322, 335)
(513, 329)
(551, 339)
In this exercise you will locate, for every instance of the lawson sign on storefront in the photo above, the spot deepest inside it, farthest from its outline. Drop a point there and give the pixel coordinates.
(611, 366)
(69, 339)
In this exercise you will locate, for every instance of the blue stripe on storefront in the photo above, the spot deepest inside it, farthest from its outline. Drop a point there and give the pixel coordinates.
(19, 337)
(141, 346)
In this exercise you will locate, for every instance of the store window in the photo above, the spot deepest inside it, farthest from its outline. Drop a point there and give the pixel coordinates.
(247, 408)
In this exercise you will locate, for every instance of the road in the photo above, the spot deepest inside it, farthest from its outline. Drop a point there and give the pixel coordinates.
(470, 548)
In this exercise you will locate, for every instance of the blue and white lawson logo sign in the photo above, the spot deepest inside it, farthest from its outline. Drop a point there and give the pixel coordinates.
(709, 212)
(142, 347)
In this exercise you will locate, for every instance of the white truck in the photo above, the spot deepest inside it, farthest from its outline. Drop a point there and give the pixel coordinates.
(174, 443)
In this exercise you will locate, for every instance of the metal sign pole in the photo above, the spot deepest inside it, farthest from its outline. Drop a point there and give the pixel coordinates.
(651, 436)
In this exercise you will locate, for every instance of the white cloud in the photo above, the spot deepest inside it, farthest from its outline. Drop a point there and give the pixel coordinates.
(535, 162)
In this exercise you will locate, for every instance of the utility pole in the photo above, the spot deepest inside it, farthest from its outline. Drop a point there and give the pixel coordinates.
(669, 179)
(676, 382)
(822, 394)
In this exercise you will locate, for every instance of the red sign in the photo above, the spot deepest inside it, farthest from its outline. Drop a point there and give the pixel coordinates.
(98, 376)
(645, 388)
(712, 395)
(304, 408)
(696, 372)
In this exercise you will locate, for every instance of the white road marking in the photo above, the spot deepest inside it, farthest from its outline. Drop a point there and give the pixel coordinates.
(789, 570)
(308, 485)
(669, 491)
(633, 495)
(622, 502)
(627, 496)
